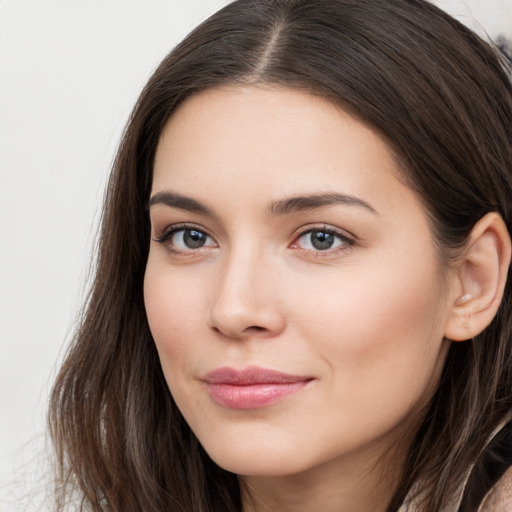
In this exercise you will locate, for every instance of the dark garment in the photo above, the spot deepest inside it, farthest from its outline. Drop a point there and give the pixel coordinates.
(488, 470)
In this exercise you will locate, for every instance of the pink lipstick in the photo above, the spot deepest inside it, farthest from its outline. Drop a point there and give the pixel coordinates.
(251, 388)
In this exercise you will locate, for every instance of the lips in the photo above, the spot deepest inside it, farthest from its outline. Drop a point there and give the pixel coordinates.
(251, 388)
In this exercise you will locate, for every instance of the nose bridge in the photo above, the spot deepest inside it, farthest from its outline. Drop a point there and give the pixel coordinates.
(245, 301)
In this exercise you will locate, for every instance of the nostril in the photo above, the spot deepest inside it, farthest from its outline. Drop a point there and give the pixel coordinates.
(255, 328)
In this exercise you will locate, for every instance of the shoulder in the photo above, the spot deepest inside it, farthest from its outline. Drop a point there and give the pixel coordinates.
(499, 498)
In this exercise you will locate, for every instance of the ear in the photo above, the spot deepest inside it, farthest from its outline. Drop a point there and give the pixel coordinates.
(480, 279)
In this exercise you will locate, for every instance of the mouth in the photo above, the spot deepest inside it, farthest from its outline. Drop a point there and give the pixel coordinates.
(252, 387)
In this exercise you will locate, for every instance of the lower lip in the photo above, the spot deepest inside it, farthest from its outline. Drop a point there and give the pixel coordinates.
(253, 396)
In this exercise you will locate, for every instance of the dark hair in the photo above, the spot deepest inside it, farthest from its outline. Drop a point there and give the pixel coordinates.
(441, 98)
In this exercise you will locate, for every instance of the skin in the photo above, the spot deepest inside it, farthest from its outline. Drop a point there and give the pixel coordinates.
(364, 320)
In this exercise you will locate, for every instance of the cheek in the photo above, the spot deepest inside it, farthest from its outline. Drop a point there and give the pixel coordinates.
(380, 335)
(175, 307)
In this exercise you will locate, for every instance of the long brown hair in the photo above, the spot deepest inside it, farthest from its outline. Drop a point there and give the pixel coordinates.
(440, 97)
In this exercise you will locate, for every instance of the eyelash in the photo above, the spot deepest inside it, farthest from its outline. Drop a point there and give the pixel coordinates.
(169, 232)
(346, 242)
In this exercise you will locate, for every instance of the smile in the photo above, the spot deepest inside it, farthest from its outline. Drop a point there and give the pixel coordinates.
(251, 388)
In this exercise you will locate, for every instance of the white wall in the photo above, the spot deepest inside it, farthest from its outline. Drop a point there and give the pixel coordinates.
(69, 73)
(491, 17)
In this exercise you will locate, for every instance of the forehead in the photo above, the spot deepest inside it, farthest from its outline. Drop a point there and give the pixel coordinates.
(266, 142)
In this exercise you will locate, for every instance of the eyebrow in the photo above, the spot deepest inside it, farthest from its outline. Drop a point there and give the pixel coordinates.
(318, 200)
(175, 200)
(276, 208)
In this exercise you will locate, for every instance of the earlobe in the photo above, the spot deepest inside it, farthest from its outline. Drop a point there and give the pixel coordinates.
(481, 276)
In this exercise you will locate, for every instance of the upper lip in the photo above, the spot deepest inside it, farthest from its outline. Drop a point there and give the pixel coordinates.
(250, 375)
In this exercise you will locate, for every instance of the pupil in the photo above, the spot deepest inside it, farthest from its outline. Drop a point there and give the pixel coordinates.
(322, 240)
(194, 239)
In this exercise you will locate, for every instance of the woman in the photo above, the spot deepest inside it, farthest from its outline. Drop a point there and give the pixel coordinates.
(302, 299)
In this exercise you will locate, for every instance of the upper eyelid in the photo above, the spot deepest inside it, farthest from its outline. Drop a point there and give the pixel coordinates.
(325, 227)
(183, 226)
(160, 225)
(163, 236)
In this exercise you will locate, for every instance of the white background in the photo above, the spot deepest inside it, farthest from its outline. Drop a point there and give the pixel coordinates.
(70, 72)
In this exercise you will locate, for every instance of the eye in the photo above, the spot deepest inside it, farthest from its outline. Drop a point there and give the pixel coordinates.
(183, 239)
(322, 240)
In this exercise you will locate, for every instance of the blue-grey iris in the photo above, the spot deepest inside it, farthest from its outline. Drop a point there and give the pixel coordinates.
(322, 240)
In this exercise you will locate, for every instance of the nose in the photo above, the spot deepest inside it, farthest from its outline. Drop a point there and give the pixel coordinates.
(245, 302)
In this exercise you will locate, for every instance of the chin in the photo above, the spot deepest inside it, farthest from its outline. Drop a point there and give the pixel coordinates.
(257, 460)
(259, 466)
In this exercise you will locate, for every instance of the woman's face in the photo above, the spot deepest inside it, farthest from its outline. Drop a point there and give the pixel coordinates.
(292, 288)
